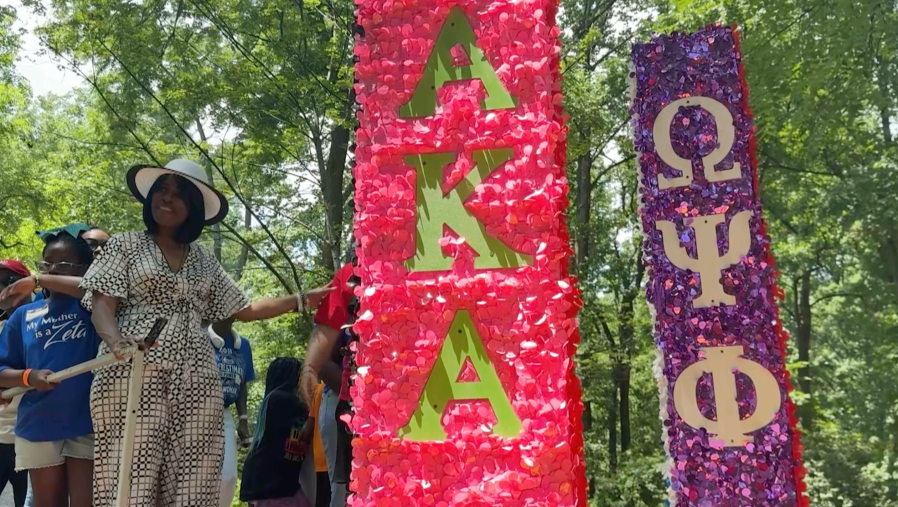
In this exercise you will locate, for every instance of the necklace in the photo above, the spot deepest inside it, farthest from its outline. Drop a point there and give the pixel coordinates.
(185, 249)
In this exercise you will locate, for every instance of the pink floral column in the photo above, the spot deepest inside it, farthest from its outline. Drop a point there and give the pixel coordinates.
(460, 201)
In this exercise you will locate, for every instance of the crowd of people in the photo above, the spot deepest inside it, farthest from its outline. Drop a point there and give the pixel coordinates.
(94, 294)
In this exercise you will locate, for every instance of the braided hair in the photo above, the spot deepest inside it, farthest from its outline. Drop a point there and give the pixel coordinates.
(283, 374)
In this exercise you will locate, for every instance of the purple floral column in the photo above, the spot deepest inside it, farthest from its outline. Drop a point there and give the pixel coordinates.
(729, 426)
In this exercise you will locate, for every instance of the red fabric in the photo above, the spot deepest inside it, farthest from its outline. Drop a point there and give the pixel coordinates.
(15, 266)
(333, 311)
(344, 380)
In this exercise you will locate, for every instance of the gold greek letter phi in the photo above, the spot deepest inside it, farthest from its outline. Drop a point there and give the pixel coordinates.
(723, 363)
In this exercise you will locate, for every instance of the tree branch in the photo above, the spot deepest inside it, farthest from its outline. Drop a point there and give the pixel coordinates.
(229, 34)
(7, 247)
(612, 166)
(837, 295)
(777, 34)
(74, 66)
(604, 57)
(802, 171)
(251, 248)
(604, 143)
(606, 330)
(209, 158)
(150, 154)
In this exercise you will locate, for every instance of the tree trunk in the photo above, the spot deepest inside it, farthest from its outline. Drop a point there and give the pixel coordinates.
(587, 416)
(625, 334)
(587, 428)
(612, 423)
(624, 386)
(803, 342)
(327, 244)
(888, 251)
(333, 198)
(216, 229)
(626, 337)
(584, 203)
(244, 250)
(332, 181)
(885, 96)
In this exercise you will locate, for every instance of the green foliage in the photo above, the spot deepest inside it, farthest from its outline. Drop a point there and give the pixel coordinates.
(20, 192)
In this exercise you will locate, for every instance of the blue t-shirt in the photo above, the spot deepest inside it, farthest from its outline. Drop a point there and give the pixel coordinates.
(51, 334)
(234, 366)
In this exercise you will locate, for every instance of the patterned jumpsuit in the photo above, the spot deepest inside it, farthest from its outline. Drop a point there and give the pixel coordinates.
(179, 445)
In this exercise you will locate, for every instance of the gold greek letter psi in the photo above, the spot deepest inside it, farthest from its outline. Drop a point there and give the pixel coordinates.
(708, 262)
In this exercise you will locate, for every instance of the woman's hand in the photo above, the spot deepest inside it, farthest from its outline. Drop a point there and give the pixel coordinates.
(308, 430)
(243, 433)
(18, 291)
(103, 319)
(122, 347)
(38, 380)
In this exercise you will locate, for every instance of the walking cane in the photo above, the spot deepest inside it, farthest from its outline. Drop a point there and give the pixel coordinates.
(134, 384)
(74, 371)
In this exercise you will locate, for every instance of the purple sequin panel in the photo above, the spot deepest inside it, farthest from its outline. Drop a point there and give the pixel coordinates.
(704, 472)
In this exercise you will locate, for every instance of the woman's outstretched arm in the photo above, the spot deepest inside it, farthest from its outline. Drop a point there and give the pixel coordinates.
(270, 308)
(62, 284)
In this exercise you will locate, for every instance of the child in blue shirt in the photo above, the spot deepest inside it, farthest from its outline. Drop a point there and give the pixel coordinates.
(234, 357)
(54, 433)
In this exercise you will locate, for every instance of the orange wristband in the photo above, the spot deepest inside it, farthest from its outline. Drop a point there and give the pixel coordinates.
(25, 377)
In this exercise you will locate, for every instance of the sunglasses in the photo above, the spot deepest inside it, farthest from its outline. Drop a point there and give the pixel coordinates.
(62, 268)
(94, 244)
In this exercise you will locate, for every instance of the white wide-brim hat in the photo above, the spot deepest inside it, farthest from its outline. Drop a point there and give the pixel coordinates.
(142, 177)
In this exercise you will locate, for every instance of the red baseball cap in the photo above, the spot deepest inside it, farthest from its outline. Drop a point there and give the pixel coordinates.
(15, 266)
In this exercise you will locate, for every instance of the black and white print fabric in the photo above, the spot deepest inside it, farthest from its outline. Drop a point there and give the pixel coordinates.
(180, 435)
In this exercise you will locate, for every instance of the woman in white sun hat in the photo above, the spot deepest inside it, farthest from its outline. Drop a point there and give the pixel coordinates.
(160, 272)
